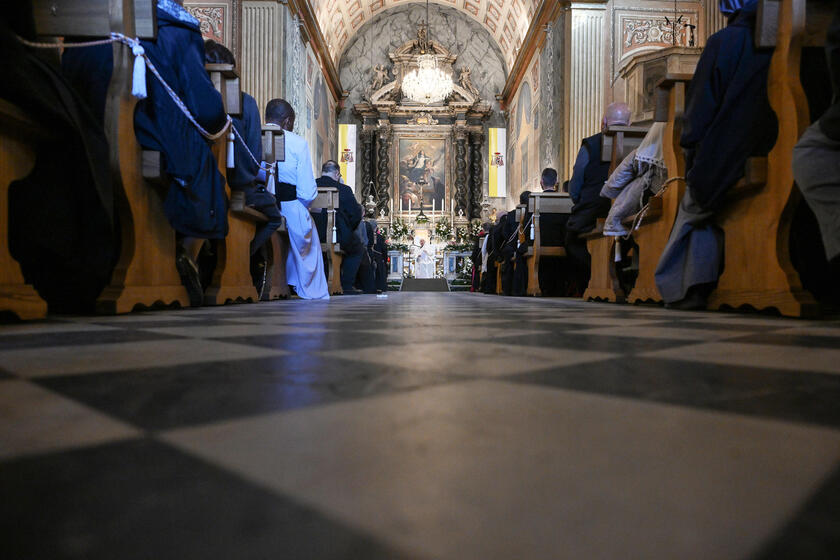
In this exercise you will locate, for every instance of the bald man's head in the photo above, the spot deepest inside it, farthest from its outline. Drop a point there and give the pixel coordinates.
(616, 114)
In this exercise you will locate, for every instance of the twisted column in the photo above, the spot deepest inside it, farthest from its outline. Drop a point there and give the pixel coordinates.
(461, 193)
(383, 185)
(476, 178)
(367, 166)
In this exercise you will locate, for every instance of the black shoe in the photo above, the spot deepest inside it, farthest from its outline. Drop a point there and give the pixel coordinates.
(190, 277)
(351, 291)
(693, 301)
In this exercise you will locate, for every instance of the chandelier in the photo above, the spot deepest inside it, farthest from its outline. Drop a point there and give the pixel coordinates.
(427, 83)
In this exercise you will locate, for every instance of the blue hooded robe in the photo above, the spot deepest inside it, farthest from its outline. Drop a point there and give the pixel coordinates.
(195, 203)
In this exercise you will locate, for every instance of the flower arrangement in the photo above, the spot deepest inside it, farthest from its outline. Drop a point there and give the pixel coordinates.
(400, 230)
(443, 229)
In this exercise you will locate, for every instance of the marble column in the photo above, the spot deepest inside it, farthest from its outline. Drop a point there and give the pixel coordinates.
(383, 184)
(476, 178)
(368, 188)
(584, 93)
(262, 39)
(461, 190)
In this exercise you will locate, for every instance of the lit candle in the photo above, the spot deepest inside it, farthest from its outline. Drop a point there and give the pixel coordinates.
(400, 205)
(409, 206)
(433, 205)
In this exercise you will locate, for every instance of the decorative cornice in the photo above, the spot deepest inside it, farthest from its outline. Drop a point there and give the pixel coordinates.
(303, 10)
(546, 12)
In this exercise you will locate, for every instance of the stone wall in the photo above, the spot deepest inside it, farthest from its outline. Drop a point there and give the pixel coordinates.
(475, 47)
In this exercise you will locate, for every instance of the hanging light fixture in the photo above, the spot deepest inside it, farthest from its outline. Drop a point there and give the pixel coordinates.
(427, 83)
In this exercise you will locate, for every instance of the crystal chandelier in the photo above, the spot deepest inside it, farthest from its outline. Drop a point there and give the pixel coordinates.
(427, 83)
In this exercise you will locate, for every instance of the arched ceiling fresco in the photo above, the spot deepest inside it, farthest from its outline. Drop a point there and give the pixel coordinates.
(506, 20)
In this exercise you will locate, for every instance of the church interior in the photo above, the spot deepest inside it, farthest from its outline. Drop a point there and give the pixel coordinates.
(427, 279)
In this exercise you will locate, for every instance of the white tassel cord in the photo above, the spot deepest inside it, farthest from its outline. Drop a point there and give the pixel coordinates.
(230, 160)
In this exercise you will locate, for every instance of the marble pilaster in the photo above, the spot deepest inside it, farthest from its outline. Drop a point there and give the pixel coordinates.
(715, 21)
(585, 68)
(262, 38)
(294, 91)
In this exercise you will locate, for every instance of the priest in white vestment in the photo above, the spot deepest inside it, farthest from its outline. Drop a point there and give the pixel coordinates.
(424, 260)
(295, 191)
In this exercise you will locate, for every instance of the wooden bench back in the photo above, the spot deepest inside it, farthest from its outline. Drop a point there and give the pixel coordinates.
(618, 141)
(225, 79)
(550, 203)
(273, 143)
(818, 14)
(95, 18)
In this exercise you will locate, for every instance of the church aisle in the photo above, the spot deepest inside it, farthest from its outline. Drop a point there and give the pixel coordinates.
(424, 425)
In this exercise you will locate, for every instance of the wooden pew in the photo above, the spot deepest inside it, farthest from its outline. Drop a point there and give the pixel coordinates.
(652, 235)
(232, 280)
(543, 203)
(273, 146)
(145, 274)
(232, 276)
(603, 285)
(756, 216)
(327, 199)
(20, 138)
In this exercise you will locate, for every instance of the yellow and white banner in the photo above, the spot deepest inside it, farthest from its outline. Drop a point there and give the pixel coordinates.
(497, 161)
(347, 153)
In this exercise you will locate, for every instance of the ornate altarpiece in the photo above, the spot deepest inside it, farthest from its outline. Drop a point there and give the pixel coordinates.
(388, 117)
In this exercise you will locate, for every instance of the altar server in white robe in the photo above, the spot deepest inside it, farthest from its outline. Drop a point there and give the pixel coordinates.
(295, 190)
(424, 261)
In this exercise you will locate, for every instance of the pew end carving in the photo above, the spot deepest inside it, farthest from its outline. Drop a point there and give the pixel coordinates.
(20, 138)
(756, 215)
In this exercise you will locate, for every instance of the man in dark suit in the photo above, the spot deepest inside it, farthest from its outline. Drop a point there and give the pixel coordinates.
(348, 216)
(588, 178)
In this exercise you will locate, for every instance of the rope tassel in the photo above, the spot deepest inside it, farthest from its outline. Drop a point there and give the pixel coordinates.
(138, 82)
(532, 231)
(270, 183)
(230, 139)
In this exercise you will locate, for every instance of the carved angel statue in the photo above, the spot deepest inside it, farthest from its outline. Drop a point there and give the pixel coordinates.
(380, 76)
(465, 81)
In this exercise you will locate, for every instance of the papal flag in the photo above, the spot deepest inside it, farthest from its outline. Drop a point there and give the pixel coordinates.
(347, 153)
(497, 162)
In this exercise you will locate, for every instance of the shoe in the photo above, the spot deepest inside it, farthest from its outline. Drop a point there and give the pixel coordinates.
(694, 301)
(190, 278)
(352, 292)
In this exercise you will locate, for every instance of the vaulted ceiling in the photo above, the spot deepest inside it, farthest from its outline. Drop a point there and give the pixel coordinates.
(506, 20)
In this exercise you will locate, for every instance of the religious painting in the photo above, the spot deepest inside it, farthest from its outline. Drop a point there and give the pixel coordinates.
(422, 172)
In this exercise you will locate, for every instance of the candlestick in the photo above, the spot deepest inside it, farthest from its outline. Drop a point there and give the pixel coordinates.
(433, 206)
(400, 205)
(409, 206)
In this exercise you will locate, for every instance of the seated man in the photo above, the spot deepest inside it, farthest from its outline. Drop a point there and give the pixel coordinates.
(348, 218)
(244, 174)
(816, 162)
(295, 190)
(727, 120)
(641, 174)
(195, 204)
(588, 177)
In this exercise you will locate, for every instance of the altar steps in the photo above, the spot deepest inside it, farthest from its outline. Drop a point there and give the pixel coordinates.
(424, 285)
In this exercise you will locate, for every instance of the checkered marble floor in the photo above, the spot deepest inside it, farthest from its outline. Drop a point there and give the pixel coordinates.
(424, 425)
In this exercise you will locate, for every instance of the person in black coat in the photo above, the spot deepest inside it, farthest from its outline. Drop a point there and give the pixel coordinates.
(379, 255)
(727, 120)
(244, 173)
(348, 217)
(195, 203)
(588, 177)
